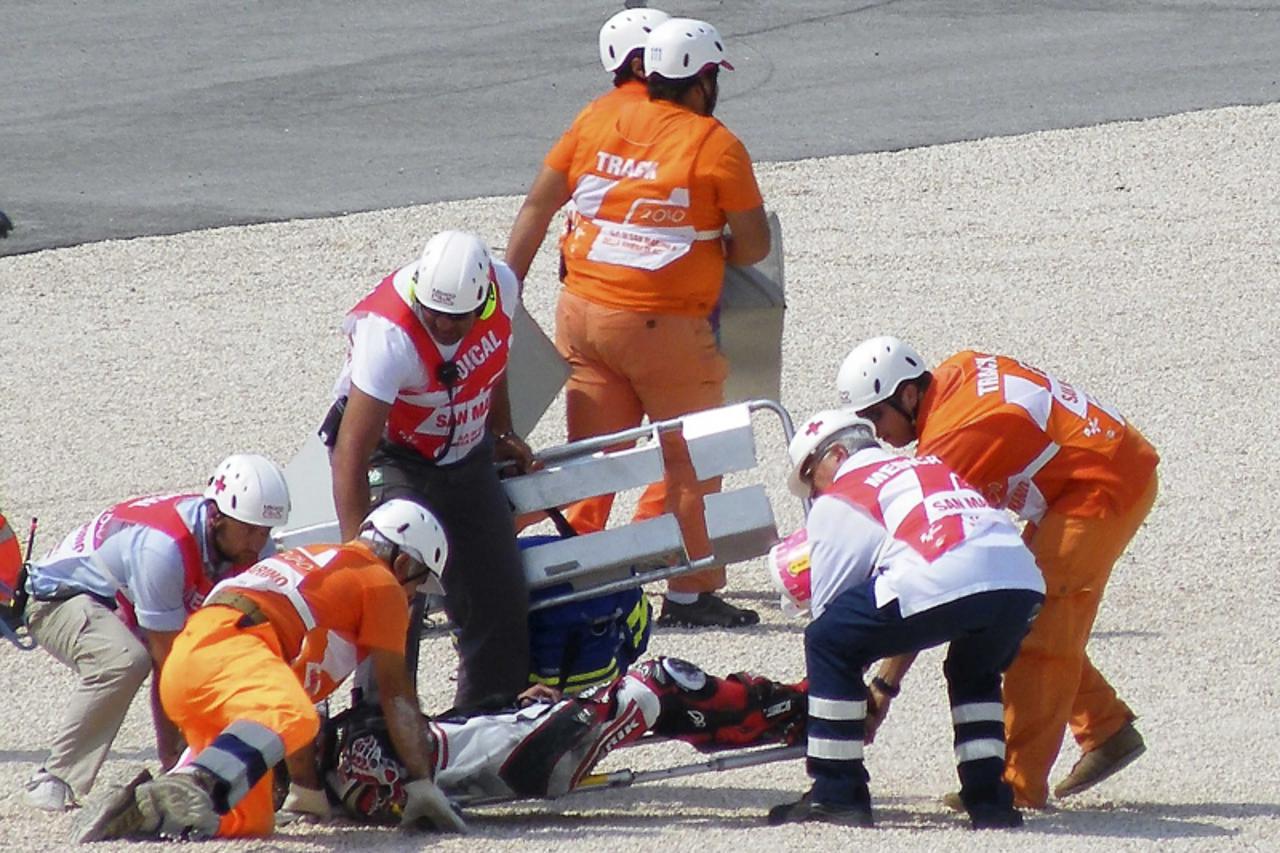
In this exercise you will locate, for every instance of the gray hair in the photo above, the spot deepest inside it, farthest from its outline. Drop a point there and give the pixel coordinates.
(851, 438)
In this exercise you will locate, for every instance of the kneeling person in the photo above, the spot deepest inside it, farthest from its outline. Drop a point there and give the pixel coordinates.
(109, 600)
(244, 676)
(904, 556)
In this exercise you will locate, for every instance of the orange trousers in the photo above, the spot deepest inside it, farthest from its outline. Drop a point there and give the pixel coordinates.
(218, 674)
(627, 365)
(1052, 682)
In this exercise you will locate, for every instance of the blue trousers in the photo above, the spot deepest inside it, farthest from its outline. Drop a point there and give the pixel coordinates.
(983, 631)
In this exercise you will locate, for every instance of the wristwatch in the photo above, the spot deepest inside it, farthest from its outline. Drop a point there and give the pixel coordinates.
(890, 690)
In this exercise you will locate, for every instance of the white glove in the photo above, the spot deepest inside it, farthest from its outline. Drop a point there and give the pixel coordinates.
(424, 801)
(309, 804)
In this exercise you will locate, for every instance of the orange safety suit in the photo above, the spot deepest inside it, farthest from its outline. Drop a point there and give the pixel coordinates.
(1084, 480)
(322, 608)
(643, 259)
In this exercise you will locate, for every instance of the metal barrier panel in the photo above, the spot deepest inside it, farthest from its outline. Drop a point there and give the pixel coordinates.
(653, 543)
(752, 309)
(720, 440)
(740, 524)
(584, 477)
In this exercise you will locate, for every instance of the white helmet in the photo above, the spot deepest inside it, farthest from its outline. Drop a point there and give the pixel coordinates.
(872, 372)
(788, 566)
(817, 434)
(454, 273)
(680, 48)
(414, 530)
(250, 488)
(625, 32)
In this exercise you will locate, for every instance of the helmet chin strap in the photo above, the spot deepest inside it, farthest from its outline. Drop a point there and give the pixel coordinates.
(709, 97)
(211, 532)
(892, 402)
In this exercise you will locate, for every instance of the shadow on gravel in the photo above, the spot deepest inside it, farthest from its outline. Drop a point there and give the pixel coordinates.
(568, 818)
(1151, 820)
(637, 813)
(640, 807)
(750, 595)
(1115, 635)
(696, 805)
(796, 629)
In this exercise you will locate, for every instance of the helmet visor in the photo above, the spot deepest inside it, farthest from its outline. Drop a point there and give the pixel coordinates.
(427, 581)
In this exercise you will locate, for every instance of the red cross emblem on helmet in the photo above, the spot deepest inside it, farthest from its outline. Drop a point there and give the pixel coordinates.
(220, 484)
(813, 428)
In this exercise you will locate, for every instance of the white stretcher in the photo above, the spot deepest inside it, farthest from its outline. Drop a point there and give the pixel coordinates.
(740, 523)
(626, 777)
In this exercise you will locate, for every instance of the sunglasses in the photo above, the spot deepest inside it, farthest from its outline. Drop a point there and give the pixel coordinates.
(806, 470)
(417, 577)
(873, 413)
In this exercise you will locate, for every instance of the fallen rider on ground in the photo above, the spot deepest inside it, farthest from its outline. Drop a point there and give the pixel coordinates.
(545, 748)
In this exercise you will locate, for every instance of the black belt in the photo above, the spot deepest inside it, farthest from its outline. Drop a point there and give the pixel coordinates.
(65, 594)
(252, 612)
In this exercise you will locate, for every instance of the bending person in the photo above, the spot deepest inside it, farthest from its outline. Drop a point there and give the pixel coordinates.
(1083, 479)
(904, 556)
(109, 599)
(245, 674)
(423, 412)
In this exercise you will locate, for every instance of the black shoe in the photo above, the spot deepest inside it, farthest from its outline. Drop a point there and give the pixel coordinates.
(994, 817)
(805, 809)
(709, 611)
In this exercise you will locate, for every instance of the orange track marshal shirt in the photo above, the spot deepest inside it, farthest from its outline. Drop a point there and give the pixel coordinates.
(1030, 442)
(330, 605)
(650, 182)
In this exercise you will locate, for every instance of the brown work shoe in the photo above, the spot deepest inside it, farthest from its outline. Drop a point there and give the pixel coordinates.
(115, 814)
(709, 611)
(1096, 765)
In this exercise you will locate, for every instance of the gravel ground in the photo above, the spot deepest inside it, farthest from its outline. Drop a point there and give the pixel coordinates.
(1136, 259)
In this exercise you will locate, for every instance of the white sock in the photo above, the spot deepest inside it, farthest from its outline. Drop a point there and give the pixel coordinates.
(682, 597)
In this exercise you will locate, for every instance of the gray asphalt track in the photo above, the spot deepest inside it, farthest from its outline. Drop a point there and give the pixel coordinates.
(159, 116)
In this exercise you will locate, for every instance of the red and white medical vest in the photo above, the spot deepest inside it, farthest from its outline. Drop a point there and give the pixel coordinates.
(158, 512)
(922, 504)
(420, 418)
(924, 535)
